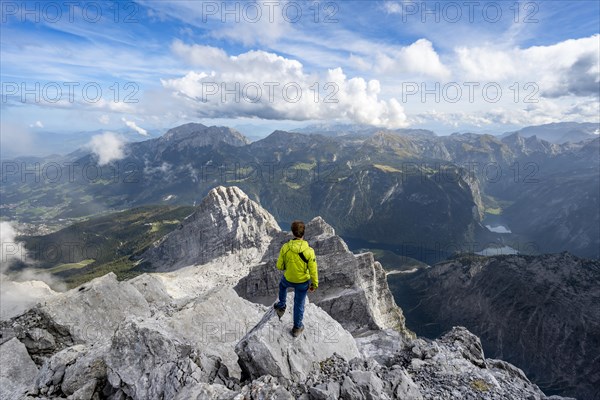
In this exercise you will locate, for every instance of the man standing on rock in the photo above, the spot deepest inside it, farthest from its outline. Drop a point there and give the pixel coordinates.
(298, 261)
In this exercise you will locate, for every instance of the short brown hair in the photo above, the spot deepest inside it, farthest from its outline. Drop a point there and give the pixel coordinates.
(298, 228)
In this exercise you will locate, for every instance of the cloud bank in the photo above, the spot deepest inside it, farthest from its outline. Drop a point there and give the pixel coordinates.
(266, 85)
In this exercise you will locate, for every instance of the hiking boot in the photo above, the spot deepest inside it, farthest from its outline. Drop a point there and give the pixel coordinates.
(297, 331)
(280, 310)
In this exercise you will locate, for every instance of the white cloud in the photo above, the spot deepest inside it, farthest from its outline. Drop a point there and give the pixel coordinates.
(269, 86)
(22, 289)
(566, 68)
(543, 112)
(107, 147)
(37, 124)
(134, 126)
(417, 59)
(12, 250)
(392, 7)
(104, 119)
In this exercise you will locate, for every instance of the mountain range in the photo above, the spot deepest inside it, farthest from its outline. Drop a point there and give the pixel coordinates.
(400, 189)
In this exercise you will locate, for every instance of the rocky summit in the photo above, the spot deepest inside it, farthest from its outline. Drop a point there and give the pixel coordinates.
(200, 325)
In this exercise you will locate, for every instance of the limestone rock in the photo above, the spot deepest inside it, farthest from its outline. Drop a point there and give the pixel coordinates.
(357, 379)
(269, 348)
(51, 375)
(18, 371)
(352, 288)
(453, 367)
(39, 332)
(363, 385)
(226, 223)
(146, 362)
(468, 344)
(89, 313)
(265, 387)
(214, 323)
(205, 391)
(154, 290)
(382, 346)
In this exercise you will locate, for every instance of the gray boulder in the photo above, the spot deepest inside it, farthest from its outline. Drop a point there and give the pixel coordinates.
(94, 310)
(265, 387)
(325, 391)
(152, 287)
(363, 385)
(147, 362)
(39, 332)
(469, 345)
(269, 348)
(214, 323)
(18, 371)
(205, 391)
(358, 379)
(78, 371)
(382, 346)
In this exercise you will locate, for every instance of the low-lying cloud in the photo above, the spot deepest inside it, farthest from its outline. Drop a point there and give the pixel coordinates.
(108, 147)
(20, 290)
(134, 126)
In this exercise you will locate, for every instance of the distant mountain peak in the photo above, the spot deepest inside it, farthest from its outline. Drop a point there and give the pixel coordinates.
(558, 132)
(196, 134)
(188, 128)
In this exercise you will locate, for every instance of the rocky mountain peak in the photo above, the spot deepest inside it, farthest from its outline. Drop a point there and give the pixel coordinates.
(283, 139)
(224, 223)
(317, 226)
(198, 135)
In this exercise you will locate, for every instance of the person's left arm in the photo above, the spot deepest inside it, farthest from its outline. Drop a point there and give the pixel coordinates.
(281, 259)
(313, 270)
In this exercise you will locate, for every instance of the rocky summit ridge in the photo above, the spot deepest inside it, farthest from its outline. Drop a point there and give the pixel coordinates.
(198, 325)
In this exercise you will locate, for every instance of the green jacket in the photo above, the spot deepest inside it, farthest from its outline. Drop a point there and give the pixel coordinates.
(296, 270)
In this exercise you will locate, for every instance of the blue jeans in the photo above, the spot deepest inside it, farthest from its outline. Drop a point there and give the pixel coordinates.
(300, 290)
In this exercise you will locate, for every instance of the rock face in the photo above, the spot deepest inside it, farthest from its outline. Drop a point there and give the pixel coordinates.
(352, 288)
(89, 313)
(226, 223)
(269, 348)
(454, 367)
(146, 362)
(187, 334)
(18, 370)
(204, 323)
(540, 313)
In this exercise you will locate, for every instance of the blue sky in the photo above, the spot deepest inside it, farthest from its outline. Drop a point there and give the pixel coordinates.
(449, 66)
